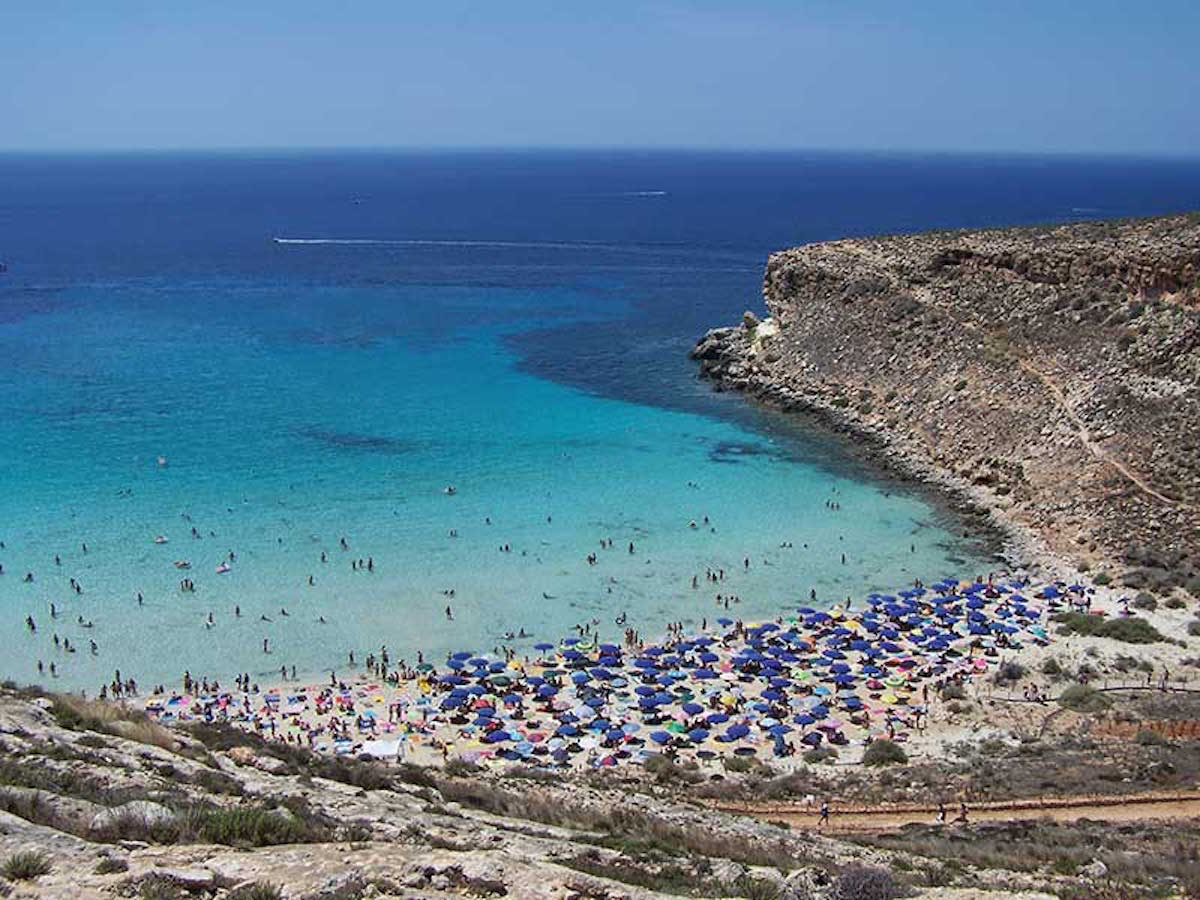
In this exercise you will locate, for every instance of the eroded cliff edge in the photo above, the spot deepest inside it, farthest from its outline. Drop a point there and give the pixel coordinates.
(1050, 373)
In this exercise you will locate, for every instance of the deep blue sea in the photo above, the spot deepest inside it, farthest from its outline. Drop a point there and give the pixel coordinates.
(317, 345)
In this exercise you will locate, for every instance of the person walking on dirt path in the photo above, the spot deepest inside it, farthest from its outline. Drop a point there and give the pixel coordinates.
(962, 812)
(824, 816)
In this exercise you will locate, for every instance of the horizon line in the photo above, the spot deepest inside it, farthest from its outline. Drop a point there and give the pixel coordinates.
(599, 148)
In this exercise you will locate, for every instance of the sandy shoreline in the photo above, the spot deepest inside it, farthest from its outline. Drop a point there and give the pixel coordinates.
(768, 691)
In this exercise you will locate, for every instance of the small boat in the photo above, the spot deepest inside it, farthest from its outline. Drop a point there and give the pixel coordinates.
(223, 568)
(160, 539)
(182, 564)
(450, 489)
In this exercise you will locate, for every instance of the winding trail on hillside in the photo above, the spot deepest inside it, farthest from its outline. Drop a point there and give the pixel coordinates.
(925, 296)
(1081, 431)
(1131, 808)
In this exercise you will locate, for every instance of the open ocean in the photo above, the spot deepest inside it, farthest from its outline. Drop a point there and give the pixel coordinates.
(318, 344)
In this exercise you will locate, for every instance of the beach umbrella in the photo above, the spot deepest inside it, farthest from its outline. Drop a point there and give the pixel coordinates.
(660, 737)
(543, 646)
(696, 735)
(693, 709)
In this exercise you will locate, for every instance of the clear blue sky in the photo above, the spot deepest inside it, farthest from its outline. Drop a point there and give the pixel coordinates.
(1044, 75)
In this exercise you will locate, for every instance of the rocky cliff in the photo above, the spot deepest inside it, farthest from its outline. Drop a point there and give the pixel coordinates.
(1050, 373)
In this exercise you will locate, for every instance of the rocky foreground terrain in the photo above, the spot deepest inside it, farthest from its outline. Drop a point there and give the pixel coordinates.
(120, 807)
(98, 802)
(1050, 374)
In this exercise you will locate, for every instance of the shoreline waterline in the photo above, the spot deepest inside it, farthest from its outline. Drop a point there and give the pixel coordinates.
(841, 678)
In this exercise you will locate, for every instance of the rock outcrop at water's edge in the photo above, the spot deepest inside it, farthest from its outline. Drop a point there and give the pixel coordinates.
(1051, 374)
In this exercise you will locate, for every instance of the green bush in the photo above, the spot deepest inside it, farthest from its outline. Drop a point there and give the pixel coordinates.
(1175, 603)
(460, 768)
(865, 883)
(752, 888)
(1148, 738)
(1194, 628)
(1130, 663)
(883, 752)
(1083, 699)
(737, 763)
(1052, 668)
(25, 866)
(1145, 601)
(110, 865)
(1009, 673)
(1102, 578)
(819, 755)
(236, 826)
(1130, 630)
(953, 691)
(251, 826)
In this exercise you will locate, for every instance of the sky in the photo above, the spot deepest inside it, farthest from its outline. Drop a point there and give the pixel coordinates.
(1088, 76)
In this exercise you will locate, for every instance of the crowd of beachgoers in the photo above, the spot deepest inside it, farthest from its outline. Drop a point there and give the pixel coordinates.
(770, 690)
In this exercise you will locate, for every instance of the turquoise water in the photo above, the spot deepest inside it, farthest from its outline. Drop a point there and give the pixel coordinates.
(278, 448)
(518, 329)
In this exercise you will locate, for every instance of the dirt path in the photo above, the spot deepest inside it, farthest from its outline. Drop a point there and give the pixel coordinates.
(925, 295)
(1081, 432)
(1134, 808)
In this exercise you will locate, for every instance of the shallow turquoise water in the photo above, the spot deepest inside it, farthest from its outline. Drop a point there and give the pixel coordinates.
(278, 447)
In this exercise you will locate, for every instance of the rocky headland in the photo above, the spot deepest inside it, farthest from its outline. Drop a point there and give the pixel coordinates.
(1049, 376)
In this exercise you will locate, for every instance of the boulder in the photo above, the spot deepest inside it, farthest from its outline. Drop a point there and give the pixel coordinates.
(1095, 869)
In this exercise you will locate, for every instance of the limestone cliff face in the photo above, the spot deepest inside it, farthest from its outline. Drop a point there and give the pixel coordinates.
(1054, 370)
